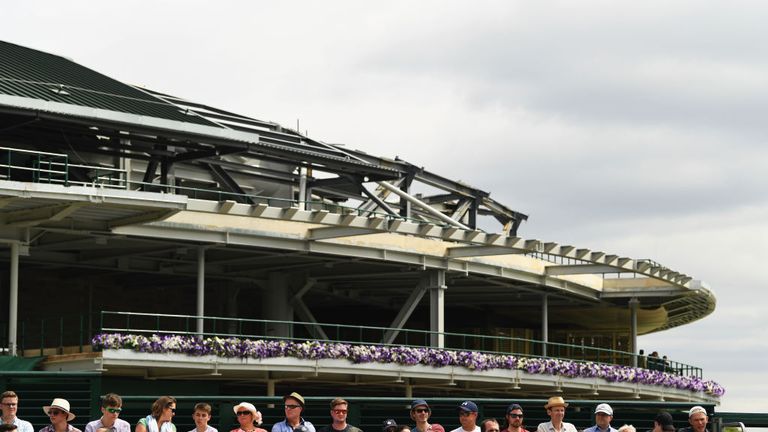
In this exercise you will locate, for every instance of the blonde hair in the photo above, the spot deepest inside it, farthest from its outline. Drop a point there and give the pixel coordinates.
(627, 428)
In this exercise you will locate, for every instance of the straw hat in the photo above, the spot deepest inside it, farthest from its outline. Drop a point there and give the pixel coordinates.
(61, 404)
(556, 401)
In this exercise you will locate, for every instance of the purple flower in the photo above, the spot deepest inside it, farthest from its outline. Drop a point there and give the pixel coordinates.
(408, 356)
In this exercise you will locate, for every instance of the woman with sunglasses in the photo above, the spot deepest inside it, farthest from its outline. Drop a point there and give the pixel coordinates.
(248, 417)
(60, 416)
(163, 411)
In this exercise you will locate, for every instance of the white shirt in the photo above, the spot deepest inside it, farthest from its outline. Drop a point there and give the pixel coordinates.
(461, 429)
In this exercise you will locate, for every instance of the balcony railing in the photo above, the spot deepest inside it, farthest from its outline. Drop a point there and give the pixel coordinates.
(55, 168)
(73, 334)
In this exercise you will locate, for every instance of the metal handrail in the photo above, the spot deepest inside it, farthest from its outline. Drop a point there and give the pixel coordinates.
(48, 171)
(51, 339)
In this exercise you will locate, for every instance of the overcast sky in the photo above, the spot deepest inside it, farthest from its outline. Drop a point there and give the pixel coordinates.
(634, 128)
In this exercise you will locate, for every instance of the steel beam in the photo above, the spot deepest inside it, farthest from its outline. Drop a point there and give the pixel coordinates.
(405, 312)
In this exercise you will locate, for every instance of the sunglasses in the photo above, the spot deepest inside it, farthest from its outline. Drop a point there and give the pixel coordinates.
(244, 413)
(515, 415)
(339, 411)
(173, 410)
(421, 410)
(54, 412)
(114, 410)
(292, 406)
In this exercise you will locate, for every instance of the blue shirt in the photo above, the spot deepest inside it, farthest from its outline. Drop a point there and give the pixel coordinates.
(596, 428)
(21, 425)
(284, 427)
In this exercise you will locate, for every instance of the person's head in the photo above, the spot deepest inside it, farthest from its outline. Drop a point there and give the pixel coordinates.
(663, 422)
(247, 414)
(294, 406)
(403, 428)
(489, 425)
(201, 414)
(164, 408)
(9, 404)
(698, 419)
(389, 425)
(420, 410)
(58, 411)
(556, 409)
(339, 410)
(603, 415)
(514, 415)
(627, 428)
(8, 427)
(467, 415)
(111, 406)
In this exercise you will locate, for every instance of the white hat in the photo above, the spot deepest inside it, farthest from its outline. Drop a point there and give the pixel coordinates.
(696, 409)
(61, 404)
(604, 408)
(249, 407)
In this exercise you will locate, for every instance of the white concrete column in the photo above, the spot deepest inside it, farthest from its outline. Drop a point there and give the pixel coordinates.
(200, 290)
(633, 305)
(544, 324)
(436, 286)
(13, 300)
(302, 188)
(270, 391)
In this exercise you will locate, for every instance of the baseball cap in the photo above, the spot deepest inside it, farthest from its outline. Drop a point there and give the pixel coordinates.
(389, 423)
(513, 407)
(696, 409)
(468, 406)
(664, 419)
(418, 402)
(604, 408)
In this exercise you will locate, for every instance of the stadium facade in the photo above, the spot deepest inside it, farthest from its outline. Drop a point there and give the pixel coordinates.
(130, 215)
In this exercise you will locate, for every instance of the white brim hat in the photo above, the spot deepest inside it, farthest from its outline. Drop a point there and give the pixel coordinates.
(60, 404)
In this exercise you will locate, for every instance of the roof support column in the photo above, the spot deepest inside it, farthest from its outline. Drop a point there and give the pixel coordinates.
(544, 324)
(436, 286)
(302, 188)
(13, 300)
(633, 305)
(277, 305)
(200, 290)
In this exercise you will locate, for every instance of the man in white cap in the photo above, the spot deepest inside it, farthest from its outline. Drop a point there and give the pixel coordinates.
(698, 419)
(294, 407)
(603, 417)
(9, 404)
(59, 413)
(556, 411)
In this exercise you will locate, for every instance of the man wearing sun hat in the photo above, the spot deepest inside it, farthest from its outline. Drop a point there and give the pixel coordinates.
(697, 418)
(294, 407)
(60, 415)
(555, 407)
(603, 417)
